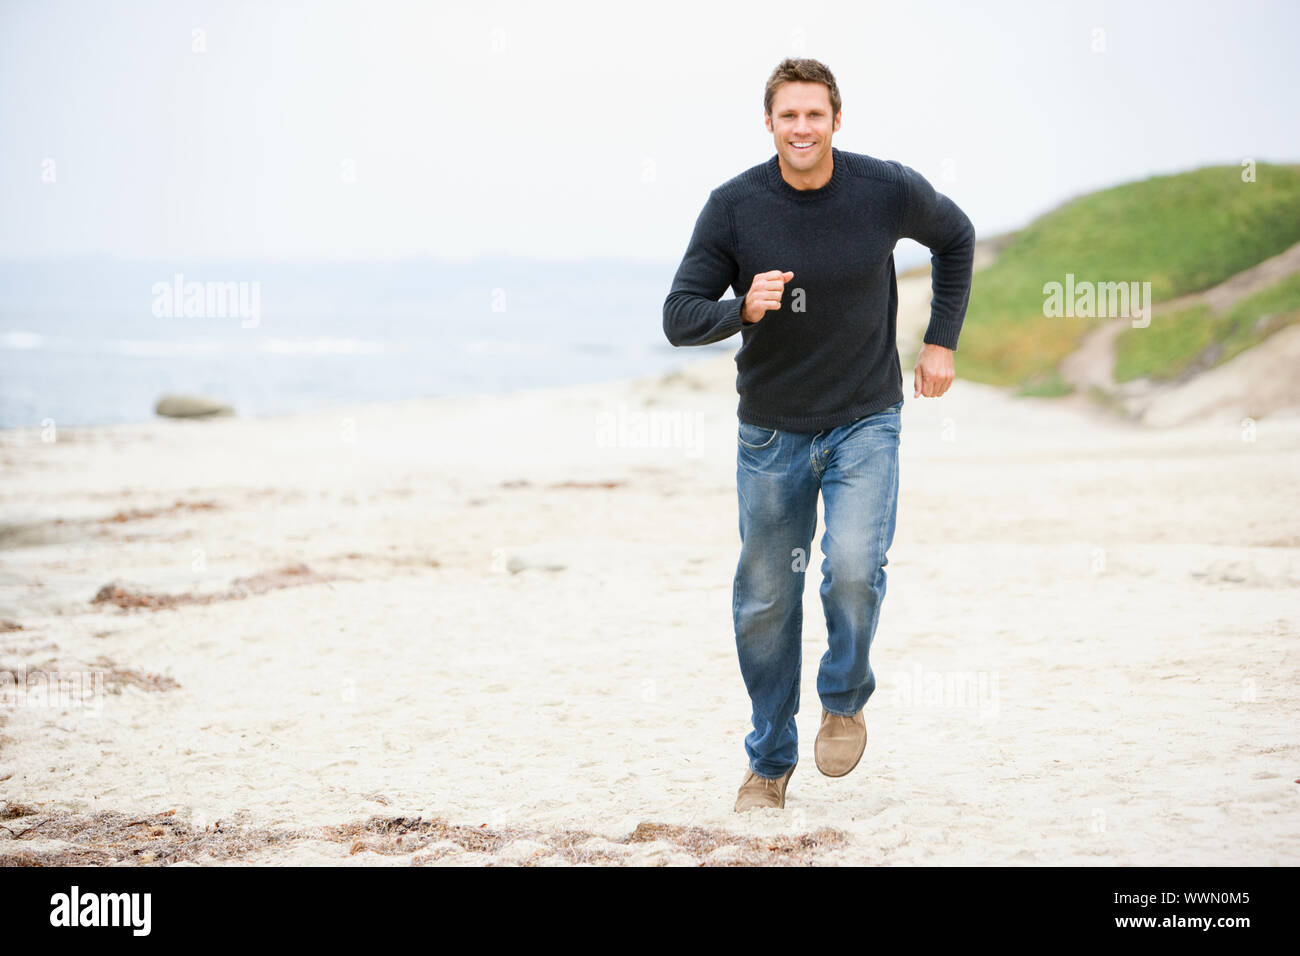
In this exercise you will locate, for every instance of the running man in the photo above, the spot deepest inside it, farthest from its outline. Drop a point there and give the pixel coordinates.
(805, 241)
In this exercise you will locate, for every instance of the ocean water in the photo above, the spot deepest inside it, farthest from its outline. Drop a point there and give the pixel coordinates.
(86, 341)
(92, 341)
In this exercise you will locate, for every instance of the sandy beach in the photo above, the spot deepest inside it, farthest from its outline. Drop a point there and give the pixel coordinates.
(497, 630)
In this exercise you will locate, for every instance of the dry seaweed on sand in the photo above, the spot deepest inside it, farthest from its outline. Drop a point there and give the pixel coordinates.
(288, 576)
(113, 838)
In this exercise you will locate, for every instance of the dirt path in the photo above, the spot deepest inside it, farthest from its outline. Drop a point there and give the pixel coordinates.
(1253, 384)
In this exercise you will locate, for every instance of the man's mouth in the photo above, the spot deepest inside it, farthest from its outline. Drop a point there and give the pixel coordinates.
(803, 145)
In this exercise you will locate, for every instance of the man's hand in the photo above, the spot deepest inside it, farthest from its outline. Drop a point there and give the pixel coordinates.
(934, 371)
(764, 294)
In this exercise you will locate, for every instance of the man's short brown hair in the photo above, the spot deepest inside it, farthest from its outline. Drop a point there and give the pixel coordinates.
(801, 69)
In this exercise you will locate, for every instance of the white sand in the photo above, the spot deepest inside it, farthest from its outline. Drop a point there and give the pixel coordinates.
(1121, 603)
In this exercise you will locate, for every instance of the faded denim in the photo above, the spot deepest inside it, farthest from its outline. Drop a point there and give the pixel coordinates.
(778, 477)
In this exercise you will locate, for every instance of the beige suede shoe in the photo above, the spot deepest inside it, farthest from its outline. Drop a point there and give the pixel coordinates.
(840, 743)
(758, 791)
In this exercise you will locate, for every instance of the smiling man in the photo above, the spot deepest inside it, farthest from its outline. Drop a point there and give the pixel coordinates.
(806, 243)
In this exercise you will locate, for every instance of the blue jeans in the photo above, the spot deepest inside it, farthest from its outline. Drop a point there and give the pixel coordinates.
(778, 476)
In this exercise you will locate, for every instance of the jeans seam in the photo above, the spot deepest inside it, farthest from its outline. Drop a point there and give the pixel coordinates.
(880, 548)
(893, 504)
(794, 683)
(735, 597)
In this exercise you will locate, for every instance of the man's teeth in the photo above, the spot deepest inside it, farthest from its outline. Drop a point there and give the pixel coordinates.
(801, 145)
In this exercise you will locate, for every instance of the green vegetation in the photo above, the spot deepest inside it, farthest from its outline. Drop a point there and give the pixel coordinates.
(1195, 338)
(1051, 385)
(1182, 233)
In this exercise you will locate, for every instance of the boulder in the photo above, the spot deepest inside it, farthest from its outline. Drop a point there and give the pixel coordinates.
(190, 406)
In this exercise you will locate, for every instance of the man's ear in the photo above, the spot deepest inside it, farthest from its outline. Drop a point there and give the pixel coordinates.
(839, 118)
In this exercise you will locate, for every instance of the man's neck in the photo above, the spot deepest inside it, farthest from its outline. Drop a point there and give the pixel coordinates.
(815, 178)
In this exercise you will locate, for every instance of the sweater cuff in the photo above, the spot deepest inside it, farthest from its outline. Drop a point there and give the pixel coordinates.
(942, 333)
(733, 322)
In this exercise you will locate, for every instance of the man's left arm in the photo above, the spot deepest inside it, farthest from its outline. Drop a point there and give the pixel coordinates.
(935, 221)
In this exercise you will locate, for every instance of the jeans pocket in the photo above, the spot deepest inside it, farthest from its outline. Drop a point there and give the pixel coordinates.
(888, 420)
(755, 436)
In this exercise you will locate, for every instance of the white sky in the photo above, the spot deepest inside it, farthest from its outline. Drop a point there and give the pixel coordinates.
(538, 147)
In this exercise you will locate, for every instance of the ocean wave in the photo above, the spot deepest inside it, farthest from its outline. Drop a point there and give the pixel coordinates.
(322, 346)
(503, 347)
(22, 340)
(163, 348)
(149, 348)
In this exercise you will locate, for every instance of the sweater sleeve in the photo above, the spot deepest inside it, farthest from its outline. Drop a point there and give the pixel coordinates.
(935, 221)
(692, 313)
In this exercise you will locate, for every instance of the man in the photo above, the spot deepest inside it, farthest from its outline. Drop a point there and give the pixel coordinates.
(821, 391)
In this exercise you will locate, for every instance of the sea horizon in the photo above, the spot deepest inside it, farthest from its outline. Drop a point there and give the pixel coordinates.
(98, 339)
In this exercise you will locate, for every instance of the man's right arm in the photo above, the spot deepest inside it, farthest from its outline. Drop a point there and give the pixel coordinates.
(692, 313)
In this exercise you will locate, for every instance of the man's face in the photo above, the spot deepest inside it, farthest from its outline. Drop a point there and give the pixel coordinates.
(801, 114)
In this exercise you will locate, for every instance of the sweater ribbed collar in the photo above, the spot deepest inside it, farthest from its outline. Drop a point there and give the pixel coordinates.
(778, 183)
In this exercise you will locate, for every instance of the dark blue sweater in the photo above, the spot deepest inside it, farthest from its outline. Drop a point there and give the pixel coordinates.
(829, 355)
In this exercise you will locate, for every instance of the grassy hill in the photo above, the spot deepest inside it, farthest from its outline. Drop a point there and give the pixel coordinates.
(1182, 233)
(1194, 339)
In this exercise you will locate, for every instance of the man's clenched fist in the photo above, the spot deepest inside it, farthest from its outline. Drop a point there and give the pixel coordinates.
(934, 371)
(764, 294)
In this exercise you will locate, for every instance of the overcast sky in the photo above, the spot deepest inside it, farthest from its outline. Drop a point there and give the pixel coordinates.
(377, 129)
